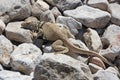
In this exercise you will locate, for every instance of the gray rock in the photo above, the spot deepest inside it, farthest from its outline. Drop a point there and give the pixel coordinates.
(71, 23)
(6, 48)
(14, 10)
(1, 68)
(65, 4)
(61, 67)
(47, 16)
(56, 12)
(2, 26)
(101, 4)
(114, 8)
(108, 74)
(112, 34)
(25, 57)
(38, 7)
(90, 17)
(93, 40)
(10, 75)
(16, 33)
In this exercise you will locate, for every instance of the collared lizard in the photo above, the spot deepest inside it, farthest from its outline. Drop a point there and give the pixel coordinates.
(60, 34)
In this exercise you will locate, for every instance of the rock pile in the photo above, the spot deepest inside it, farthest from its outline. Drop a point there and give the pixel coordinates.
(94, 23)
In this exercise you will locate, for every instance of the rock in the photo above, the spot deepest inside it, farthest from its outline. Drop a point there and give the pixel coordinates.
(101, 4)
(90, 17)
(65, 4)
(94, 68)
(47, 16)
(106, 75)
(114, 8)
(38, 7)
(71, 23)
(38, 42)
(97, 61)
(112, 34)
(25, 57)
(10, 75)
(1, 68)
(56, 12)
(93, 40)
(16, 33)
(6, 48)
(61, 67)
(14, 10)
(117, 61)
(2, 26)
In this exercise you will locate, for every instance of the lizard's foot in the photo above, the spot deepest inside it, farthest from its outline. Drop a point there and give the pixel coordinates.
(59, 48)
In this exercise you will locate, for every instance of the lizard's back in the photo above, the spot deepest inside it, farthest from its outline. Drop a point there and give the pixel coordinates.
(54, 32)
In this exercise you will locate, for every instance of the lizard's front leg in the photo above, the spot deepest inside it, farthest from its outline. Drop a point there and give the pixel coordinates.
(59, 48)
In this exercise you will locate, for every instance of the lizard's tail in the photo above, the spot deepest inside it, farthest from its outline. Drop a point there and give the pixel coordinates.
(76, 49)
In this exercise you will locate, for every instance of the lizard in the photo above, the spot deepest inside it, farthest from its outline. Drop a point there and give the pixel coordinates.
(60, 35)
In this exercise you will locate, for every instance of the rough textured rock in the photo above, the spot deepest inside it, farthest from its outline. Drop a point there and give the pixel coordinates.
(6, 49)
(38, 7)
(25, 57)
(47, 16)
(56, 12)
(16, 33)
(112, 34)
(101, 4)
(14, 9)
(10, 75)
(65, 4)
(61, 67)
(71, 23)
(90, 17)
(108, 74)
(93, 40)
(2, 26)
(114, 8)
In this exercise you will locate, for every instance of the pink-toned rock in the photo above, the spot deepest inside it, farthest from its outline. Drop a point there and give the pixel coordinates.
(97, 61)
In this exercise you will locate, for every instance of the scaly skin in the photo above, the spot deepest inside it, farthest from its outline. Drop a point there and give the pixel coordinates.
(60, 34)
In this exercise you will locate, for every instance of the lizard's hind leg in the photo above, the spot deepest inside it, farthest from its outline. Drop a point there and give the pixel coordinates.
(59, 48)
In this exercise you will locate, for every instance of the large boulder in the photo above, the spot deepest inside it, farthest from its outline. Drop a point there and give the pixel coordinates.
(25, 57)
(61, 67)
(14, 9)
(90, 17)
(14, 32)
